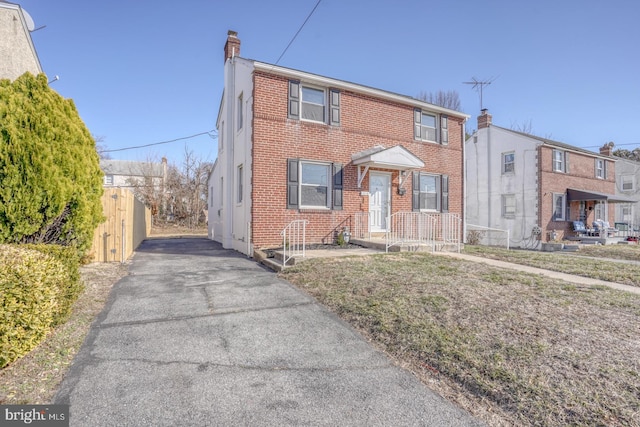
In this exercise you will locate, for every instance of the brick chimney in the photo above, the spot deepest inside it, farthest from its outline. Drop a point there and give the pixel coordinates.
(607, 149)
(484, 119)
(232, 46)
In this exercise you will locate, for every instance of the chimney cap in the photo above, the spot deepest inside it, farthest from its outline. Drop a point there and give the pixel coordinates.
(484, 111)
(232, 33)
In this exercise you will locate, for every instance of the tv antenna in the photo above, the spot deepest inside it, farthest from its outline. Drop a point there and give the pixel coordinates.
(479, 86)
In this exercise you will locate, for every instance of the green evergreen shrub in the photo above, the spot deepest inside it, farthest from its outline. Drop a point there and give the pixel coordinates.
(50, 178)
(30, 299)
(69, 289)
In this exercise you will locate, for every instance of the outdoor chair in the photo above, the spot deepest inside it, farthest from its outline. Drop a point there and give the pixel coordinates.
(581, 230)
(603, 228)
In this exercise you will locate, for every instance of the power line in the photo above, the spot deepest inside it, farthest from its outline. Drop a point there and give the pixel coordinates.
(159, 143)
(298, 32)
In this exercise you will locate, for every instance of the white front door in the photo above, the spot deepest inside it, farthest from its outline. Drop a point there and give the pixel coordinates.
(379, 200)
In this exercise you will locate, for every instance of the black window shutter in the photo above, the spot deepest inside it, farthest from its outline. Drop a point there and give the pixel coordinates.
(415, 199)
(294, 99)
(292, 184)
(337, 186)
(334, 106)
(444, 186)
(444, 130)
(417, 122)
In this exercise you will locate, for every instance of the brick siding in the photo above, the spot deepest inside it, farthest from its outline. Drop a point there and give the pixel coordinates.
(365, 122)
(581, 176)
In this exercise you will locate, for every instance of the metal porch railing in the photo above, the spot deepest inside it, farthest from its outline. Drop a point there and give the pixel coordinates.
(362, 225)
(293, 240)
(416, 229)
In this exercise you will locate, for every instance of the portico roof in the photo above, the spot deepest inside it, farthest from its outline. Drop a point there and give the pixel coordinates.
(396, 158)
(579, 195)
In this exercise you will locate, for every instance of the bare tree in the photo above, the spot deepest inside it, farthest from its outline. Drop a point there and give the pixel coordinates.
(101, 147)
(525, 127)
(449, 99)
(180, 196)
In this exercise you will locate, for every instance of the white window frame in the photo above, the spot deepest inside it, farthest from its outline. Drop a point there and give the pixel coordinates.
(221, 191)
(627, 179)
(554, 207)
(600, 169)
(423, 133)
(509, 210)
(328, 186)
(559, 164)
(221, 138)
(438, 192)
(108, 180)
(240, 184)
(324, 104)
(511, 163)
(240, 111)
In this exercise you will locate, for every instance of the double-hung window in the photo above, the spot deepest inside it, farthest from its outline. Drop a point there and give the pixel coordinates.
(508, 162)
(240, 112)
(108, 180)
(240, 184)
(430, 192)
(627, 182)
(314, 185)
(314, 104)
(430, 127)
(559, 206)
(601, 169)
(508, 206)
(560, 161)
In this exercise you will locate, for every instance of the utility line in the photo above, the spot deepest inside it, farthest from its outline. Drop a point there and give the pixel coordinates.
(158, 143)
(296, 35)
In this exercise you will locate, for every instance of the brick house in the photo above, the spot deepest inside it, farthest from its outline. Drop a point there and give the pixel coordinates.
(518, 182)
(299, 146)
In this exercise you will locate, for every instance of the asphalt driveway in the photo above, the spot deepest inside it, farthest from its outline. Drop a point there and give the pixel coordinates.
(197, 335)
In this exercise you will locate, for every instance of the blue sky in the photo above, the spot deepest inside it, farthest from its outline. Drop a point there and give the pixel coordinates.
(144, 72)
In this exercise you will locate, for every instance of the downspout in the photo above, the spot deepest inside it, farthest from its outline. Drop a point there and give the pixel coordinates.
(464, 186)
(489, 176)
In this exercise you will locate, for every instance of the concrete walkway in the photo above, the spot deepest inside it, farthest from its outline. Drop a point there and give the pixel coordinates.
(571, 278)
(200, 336)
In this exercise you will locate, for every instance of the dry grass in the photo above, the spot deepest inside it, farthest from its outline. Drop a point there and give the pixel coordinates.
(590, 262)
(35, 378)
(167, 230)
(511, 348)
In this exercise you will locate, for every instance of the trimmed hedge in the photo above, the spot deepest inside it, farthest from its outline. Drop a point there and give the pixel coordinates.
(38, 286)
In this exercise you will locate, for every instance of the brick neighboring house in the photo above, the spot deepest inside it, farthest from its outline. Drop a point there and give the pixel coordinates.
(296, 145)
(17, 50)
(516, 182)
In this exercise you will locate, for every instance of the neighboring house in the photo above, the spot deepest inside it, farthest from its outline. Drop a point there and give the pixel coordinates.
(299, 146)
(627, 185)
(519, 182)
(126, 173)
(17, 52)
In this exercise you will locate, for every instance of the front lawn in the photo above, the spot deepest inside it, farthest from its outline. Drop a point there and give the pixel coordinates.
(592, 263)
(511, 348)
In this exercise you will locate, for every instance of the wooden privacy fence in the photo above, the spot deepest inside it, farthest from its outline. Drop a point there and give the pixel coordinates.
(127, 224)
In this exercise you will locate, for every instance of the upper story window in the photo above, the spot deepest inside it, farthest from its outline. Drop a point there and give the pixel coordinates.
(430, 127)
(560, 161)
(601, 169)
(313, 104)
(108, 180)
(508, 162)
(240, 117)
(627, 183)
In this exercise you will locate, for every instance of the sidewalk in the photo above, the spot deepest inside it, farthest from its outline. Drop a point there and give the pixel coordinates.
(197, 335)
(579, 280)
